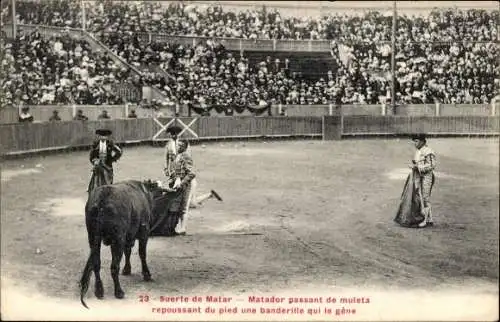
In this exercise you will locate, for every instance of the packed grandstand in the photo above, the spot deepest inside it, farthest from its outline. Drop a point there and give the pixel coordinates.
(448, 55)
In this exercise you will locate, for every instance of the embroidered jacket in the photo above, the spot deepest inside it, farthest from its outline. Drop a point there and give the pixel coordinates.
(183, 169)
(106, 151)
(425, 160)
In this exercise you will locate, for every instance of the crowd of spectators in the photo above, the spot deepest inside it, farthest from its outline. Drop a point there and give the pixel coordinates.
(58, 70)
(178, 18)
(208, 74)
(59, 13)
(448, 55)
(425, 73)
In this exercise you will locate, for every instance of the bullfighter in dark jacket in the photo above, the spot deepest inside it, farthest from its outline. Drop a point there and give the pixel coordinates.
(104, 153)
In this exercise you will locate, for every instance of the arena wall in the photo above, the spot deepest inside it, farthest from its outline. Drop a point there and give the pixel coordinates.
(28, 138)
(42, 113)
(433, 125)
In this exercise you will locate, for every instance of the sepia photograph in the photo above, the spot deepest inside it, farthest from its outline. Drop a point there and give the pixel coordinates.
(249, 160)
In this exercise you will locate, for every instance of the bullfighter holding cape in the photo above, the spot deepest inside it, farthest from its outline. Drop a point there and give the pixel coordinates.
(172, 209)
(415, 207)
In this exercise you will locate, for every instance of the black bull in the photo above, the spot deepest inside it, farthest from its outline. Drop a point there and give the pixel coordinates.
(117, 215)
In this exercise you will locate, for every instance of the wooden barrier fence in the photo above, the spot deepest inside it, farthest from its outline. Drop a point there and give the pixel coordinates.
(248, 126)
(35, 137)
(18, 139)
(438, 125)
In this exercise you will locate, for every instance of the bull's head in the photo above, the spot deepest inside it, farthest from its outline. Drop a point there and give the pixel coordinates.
(156, 186)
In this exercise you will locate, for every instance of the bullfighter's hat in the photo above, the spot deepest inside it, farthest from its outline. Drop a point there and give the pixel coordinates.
(103, 132)
(174, 130)
(418, 136)
(184, 142)
(183, 145)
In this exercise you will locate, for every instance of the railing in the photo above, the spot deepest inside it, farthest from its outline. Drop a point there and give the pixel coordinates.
(242, 43)
(229, 43)
(43, 113)
(18, 139)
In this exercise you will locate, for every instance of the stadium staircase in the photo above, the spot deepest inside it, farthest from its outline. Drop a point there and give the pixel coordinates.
(156, 93)
(163, 72)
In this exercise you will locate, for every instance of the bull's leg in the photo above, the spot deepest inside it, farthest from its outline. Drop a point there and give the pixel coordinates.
(95, 246)
(143, 242)
(96, 265)
(127, 268)
(117, 253)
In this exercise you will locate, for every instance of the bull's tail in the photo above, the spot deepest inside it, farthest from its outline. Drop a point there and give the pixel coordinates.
(84, 281)
(94, 241)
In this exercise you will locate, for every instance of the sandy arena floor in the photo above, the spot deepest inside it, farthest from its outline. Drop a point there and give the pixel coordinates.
(298, 218)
